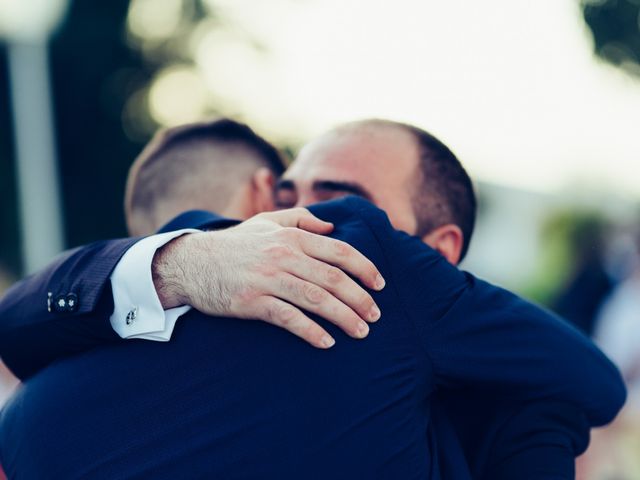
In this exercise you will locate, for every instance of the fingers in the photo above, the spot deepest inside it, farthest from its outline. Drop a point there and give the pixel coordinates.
(300, 218)
(338, 284)
(344, 256)
(313, 224)
(316, 299)
(285, 315)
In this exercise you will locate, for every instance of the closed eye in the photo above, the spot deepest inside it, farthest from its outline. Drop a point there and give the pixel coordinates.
(285, 194)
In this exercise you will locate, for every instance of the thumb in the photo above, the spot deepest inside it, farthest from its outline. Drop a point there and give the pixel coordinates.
(301, 218)
(313, 224)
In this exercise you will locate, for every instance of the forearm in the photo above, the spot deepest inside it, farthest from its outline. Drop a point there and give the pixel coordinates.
(37, 321)
(524, 353)
(538, 463)
(168, 273)
(30, 348)
(504, 440)
(539, 441)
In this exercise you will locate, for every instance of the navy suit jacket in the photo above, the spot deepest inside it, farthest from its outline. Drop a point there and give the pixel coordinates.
(238, 399)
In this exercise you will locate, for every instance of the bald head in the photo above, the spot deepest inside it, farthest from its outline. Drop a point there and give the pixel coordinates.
(376, 163)
(404, 170)
(204, 166)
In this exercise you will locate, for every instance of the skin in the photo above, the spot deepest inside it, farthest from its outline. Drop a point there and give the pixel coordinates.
(378, 162)
(269, 268)
(254, 197)
(251, 197)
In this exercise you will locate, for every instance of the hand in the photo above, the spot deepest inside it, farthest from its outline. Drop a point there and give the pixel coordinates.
(269, 268)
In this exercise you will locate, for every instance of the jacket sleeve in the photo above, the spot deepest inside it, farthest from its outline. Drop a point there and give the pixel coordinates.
(490, 338)
(65, 308)
(503, 440)
(62, 310)
(537, 441)
(481, 336)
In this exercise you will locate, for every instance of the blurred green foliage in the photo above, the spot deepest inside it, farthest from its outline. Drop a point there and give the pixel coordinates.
(95, 74)
(569, 237)
(100, 77)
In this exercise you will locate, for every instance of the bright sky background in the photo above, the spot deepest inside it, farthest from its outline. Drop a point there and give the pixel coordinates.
(510, 85)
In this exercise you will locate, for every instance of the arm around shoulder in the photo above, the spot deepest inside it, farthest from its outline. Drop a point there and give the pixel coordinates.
(62, 309)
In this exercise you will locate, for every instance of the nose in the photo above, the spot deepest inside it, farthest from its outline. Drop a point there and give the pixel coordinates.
(304, 200)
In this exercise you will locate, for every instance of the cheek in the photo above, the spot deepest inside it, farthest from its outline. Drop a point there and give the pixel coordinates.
(268, 203)
(399, 210)
(407, 223)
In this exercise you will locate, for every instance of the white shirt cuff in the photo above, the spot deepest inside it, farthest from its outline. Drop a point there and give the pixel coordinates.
(137, 311)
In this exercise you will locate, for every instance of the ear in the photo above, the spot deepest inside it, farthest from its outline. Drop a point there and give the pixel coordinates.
(448, 240)
(262, 184)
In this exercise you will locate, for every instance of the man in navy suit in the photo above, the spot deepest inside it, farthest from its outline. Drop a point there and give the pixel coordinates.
(431, 345)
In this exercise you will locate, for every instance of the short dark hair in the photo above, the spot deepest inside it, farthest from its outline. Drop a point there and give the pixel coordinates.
(178, 157)
(443, 192)
(220, 131)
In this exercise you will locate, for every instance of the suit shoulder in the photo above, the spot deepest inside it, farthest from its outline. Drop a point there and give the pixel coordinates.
(348, 209)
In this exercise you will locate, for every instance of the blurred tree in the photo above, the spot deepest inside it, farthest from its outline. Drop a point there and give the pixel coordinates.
(588, 282)
(93, 74)
(615, 25)
(176, 37)
(9, 245)
(119, 69)
(572, 278)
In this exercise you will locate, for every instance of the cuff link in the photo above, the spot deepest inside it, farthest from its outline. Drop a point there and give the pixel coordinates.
(132, 315)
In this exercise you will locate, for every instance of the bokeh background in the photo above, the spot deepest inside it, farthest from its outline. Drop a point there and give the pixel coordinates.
(540, 100)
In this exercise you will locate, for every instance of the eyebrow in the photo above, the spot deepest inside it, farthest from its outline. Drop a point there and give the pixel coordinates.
(328, 185)
(336, 186)
(284, 185)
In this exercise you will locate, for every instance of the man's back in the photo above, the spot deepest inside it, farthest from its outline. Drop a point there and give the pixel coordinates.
(229, 399)
(236, 399)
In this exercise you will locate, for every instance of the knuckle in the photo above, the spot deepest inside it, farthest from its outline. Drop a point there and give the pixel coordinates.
(247, 293)
(342, 249)
(279, 251)
(265, 270)
(287, 285)
(289, 234)
(286, 314)
(300, 211)
(270, 312)
(365, 303)
(334, 275)
(313, 293)
(293, 233)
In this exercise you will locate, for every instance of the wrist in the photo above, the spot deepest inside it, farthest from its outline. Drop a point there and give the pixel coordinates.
(168, 272)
